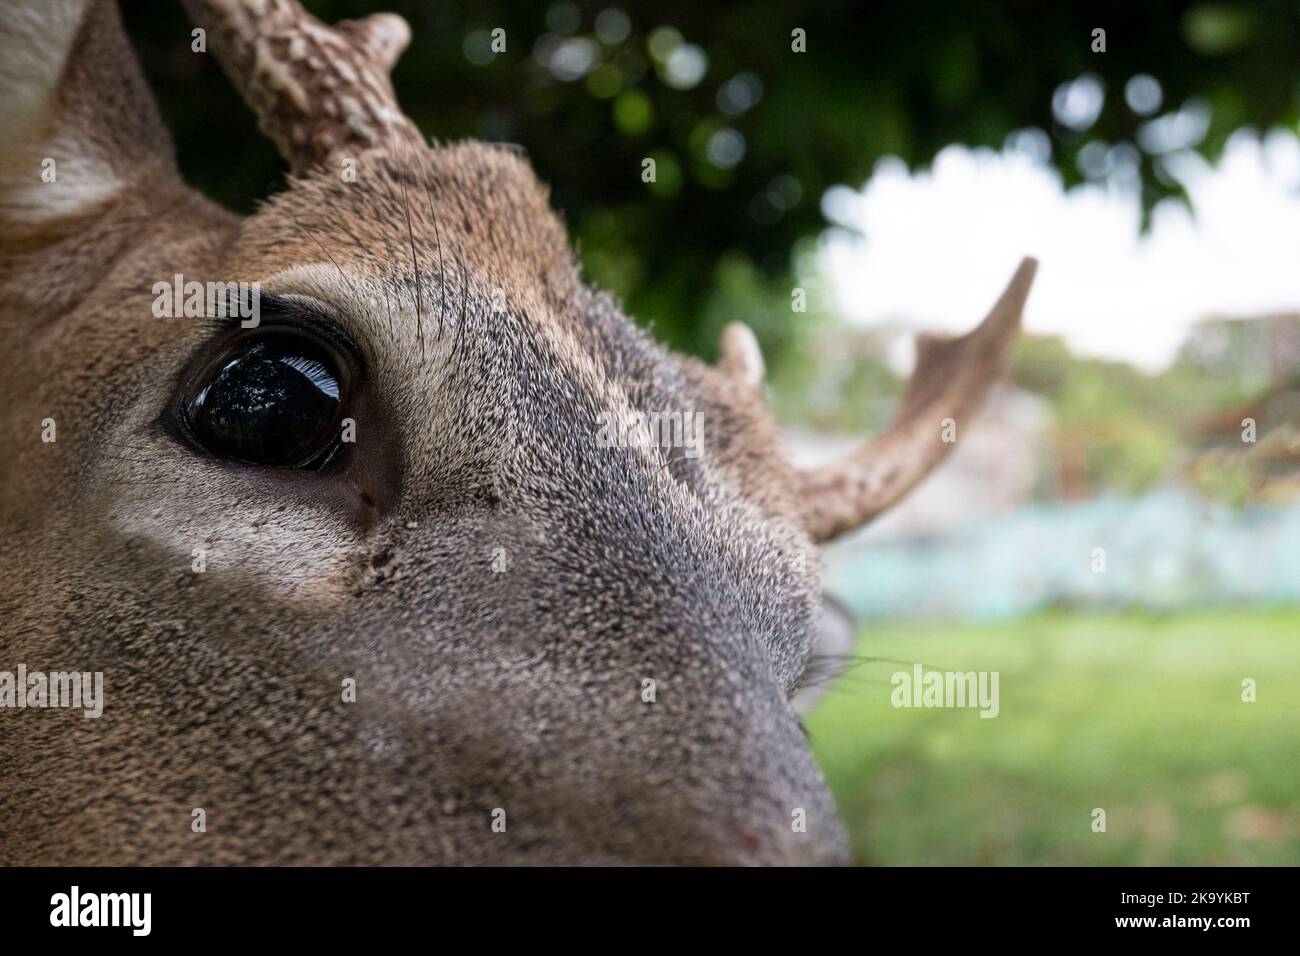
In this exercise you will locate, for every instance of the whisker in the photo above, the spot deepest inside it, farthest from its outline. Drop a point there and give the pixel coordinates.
(442, 272)
(391, 269)
(415, 263)
(356, 294)
(826, 670)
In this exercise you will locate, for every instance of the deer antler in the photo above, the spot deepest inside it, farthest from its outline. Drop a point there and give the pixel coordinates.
(951, 380)
(739, 356)
(316, 90)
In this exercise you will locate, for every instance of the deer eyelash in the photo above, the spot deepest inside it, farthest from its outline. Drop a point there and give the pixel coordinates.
(292, 313)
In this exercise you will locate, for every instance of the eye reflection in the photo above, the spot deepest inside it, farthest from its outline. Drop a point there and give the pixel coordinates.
(273, 399)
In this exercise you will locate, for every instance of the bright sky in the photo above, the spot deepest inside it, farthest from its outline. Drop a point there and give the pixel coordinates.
(939, 245)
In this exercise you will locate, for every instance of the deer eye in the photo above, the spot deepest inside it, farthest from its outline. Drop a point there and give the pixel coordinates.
(274, 397)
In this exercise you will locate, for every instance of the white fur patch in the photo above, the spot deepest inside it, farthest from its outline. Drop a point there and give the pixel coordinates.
(81, 183)
(218, 521)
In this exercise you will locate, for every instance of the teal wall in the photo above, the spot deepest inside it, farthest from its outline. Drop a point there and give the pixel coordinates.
(1164, 551)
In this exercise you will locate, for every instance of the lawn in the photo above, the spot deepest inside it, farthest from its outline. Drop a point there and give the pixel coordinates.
(1140, 715)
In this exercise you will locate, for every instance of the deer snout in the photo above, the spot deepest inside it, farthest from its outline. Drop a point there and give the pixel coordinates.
(785, 817)
(734, 785)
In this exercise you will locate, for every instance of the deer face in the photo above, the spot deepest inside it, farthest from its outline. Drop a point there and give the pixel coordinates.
(537, 620)
(441, 560)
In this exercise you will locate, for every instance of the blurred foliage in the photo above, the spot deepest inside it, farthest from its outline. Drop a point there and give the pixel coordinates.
(1133, 426)
(747, 134)
(1128, 429)
(1244, 355)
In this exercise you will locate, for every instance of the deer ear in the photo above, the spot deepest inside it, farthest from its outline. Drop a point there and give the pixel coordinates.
(832, 653)
(77, 120)
(317, 90)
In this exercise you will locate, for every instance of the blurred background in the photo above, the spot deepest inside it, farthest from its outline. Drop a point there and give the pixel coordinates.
(1118, 535)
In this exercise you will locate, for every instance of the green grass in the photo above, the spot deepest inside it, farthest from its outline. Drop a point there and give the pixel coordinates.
(1138, 714)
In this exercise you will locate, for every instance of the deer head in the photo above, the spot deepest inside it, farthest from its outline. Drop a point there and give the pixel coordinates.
(408, 571)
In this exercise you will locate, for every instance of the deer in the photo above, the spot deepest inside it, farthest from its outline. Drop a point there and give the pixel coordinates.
(362, 584)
